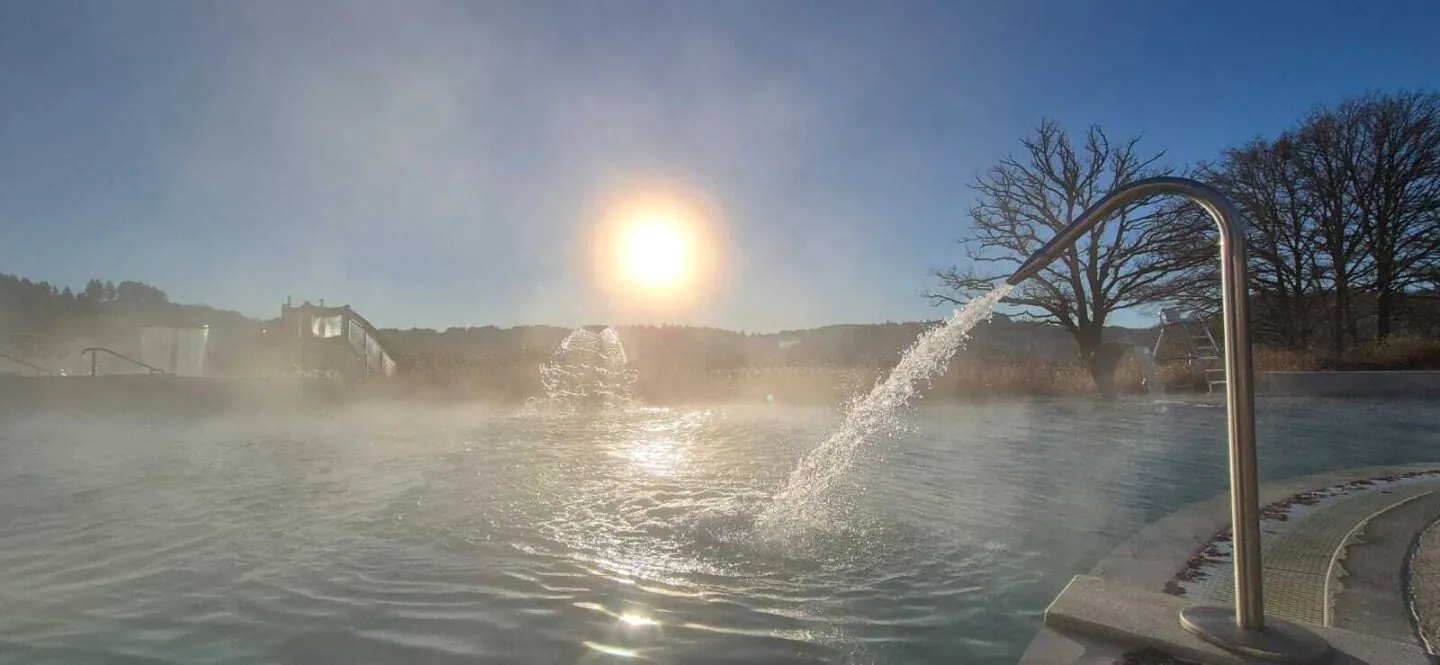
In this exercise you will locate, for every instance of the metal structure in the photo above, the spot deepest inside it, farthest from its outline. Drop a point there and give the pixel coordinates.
(33, 367)
(1202, 351)
(333, 340)
(95, 352)
(1243, 629)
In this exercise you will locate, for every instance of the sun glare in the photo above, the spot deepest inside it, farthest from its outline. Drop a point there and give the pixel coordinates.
(654, 253)
(658, 249)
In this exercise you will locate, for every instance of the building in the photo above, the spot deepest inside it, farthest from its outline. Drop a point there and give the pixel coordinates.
(333, 341)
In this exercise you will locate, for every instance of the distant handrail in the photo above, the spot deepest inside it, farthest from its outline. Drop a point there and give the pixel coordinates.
(38, 369)
(94, 360)
(370, 330)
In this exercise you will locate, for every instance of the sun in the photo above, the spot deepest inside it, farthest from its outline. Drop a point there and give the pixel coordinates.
(654, 252)
(657, 249)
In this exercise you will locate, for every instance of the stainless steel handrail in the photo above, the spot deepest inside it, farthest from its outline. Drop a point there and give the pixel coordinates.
(36, 368)
(95, 366)
(1243, 629)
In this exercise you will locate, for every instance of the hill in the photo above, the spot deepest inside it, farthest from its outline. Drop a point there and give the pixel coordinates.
(49, 325)
(867, 345)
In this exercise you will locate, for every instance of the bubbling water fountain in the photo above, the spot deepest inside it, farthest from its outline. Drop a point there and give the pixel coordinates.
(588, 369)
(1148, 369)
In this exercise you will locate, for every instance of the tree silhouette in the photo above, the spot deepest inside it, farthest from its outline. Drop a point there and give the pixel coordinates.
(1325, 145)
(1395, 181)
(1343, 214)
(1263, 178)
(95, 291)
(1025, 201)
(139, 293)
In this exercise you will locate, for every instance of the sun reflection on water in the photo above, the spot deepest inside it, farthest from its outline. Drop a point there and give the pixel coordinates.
(659, 456)
(610, 650)
(637, 620)
(661, 447)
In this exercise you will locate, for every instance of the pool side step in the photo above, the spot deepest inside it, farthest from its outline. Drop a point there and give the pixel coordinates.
(1135, 618)
(1298, 560)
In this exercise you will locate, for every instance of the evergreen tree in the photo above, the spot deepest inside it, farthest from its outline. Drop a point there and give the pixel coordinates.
(94, 290)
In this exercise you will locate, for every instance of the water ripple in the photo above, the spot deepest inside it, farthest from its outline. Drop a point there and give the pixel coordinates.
(465, 535)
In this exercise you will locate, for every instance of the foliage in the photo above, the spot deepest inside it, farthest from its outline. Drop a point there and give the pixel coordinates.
(49, 325)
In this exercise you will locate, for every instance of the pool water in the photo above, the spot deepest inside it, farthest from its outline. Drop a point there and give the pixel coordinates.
(420, 535)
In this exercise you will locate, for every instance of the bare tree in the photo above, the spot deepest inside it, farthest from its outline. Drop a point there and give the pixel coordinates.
(1024, 201)
(1324, 146)
(1344, 209)
(1394, 177)
(1262, 178)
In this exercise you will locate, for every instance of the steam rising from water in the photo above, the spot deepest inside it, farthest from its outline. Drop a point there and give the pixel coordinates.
(876, 413)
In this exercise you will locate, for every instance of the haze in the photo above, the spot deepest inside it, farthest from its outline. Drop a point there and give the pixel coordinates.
(440, 164)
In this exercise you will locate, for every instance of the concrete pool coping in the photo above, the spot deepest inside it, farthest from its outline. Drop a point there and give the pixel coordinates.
(1348, 383)
(1151, 559)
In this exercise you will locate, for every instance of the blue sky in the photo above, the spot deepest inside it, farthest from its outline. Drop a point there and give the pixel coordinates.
(433, 164)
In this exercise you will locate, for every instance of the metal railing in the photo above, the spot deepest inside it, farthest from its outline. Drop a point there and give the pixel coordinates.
(1243, 629)
(95, 352)
(36, 368)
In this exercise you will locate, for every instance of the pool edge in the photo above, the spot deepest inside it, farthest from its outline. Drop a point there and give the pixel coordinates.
(1151, 558)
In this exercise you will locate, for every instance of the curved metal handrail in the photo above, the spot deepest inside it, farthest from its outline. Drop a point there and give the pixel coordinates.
(1244, 629)
(94, 360)
(38, 369)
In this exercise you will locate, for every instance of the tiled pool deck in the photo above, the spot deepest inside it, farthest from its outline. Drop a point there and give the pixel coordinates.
(1338, 549)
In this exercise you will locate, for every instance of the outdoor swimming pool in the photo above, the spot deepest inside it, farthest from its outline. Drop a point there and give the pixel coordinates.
(388, 535)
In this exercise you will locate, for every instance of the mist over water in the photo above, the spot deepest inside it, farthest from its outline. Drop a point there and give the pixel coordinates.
(465, 535)
(587, 527)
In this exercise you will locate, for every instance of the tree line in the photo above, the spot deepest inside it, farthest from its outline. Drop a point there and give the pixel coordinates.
(16, 291)
(1343, 228)
(46, 323)
(1344, 220)
(39, 307)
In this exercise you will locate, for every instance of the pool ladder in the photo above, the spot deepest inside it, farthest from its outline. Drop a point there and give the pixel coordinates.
(1204, 352)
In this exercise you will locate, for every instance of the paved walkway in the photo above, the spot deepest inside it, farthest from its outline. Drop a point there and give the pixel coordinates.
(1298, 553)
(1425, 587)
(1372, 595)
